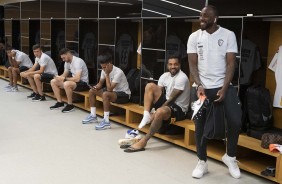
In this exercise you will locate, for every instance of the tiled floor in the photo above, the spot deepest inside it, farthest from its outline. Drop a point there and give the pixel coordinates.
(40, 146)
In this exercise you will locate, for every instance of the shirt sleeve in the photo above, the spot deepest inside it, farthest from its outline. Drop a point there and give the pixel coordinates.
(117, 78)
(232, 43)
(192, 43)
(161, 80)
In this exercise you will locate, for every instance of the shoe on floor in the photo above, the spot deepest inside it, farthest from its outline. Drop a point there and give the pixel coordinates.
(200, 170)
(232, 165)
(12, 89)
(8, 86)
(31, 95)
(129, 141)
(90, 119)
(68, 108)
(131, 134)
(103, 125)
(38, 98)
(57, 105)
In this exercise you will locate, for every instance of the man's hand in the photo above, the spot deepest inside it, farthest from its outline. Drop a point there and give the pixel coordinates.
(200, 91)
(221, 95)
(59, 78)
(107, 69)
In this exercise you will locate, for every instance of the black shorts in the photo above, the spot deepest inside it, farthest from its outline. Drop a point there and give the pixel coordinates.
(122, 97)
(81, 86)
(176, 111)
(46, 77)
(23, 68)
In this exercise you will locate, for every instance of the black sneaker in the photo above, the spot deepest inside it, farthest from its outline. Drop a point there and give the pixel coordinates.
(31, 95)
(38, 98)
(57, 105)
(68, 108)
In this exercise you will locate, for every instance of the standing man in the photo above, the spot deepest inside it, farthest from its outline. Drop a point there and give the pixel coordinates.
(116, 90)
(75, 77)
(19, 62)
(211, 54)
(47, 71)
(169, 98)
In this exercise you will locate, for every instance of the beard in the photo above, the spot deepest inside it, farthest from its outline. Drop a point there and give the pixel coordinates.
(206, 25)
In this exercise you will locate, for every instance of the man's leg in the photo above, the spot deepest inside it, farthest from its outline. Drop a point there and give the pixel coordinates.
(32, 83)
(108, 97)
(162, 113)
(37, 80)
(151, 95)
(56, 85)
(15, 72)
(69, 86)
(10, 74)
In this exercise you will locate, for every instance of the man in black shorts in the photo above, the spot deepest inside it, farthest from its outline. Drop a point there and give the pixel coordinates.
(47, 71)
(75, 77)
(116, 90)
(19, 62)
(169, 98)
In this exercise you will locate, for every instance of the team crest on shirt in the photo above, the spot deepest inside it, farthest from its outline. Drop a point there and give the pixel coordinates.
(220, 42)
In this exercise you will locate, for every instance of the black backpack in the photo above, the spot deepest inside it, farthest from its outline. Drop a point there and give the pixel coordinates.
(257, 110)
(133, 78)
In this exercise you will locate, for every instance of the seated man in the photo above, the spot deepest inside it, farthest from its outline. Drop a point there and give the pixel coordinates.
(46, 73)
(170, 98)
(19, 62)
(75, 77)
(116, 90)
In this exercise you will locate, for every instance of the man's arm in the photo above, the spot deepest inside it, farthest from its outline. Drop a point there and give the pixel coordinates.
(173, 96)
(110, 85)
(75, 78)
(193, 65)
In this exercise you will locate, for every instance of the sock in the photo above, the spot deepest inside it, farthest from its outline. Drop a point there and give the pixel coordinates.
(93, 111)
(106, 116)
(145, 120)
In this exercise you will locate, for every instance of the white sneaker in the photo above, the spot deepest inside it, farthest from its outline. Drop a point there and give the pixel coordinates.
(200, 170)
(231, 163)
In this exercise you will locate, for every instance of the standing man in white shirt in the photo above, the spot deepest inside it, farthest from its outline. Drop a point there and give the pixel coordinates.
(46, 72)
(75, 77)
(19, 62)
(211, 54)
(116, 90)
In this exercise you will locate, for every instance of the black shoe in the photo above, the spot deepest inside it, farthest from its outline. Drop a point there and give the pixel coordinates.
(57, 105)
(68, 108)
(31, 95)
(38, 98)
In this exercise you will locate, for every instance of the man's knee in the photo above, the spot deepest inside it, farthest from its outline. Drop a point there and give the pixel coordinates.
(162, 113)
(106, 95)
(150, 86)
(37, 77)
(69, 85)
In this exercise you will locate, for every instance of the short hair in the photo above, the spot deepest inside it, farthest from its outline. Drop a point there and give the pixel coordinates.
(105, 57)
(214, 9)
(174, 57)
(64, 51)
(36, 46)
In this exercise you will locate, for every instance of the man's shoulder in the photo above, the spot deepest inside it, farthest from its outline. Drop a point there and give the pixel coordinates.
(182, 75)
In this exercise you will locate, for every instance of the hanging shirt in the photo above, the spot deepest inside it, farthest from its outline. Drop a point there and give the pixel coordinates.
(276, 66)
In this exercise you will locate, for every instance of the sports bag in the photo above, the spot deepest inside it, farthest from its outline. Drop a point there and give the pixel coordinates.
(270, 138)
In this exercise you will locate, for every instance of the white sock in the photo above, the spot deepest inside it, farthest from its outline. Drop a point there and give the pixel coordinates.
(93, 111)
(145, 120)
(106, 116)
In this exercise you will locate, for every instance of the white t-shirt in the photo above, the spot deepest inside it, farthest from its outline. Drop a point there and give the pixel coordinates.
(117, 76)
(77, 65)
(276, 66)
(211, 50)
(23, 59)
(181, 82)
(48, 62)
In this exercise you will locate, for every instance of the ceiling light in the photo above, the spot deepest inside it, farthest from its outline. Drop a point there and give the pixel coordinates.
(156, 12)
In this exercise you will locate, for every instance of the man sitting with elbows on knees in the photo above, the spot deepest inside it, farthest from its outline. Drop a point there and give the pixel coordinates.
(116, 90)
(170, 98)
(19, 62)
(35, 77)
(78, 80)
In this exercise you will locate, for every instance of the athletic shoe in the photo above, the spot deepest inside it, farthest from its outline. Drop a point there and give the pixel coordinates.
(8, 86)
(131, 134)
(198, 107)
(103, 125)
(57, 105)
(12, 89)
(129, 142)
(31, 95)
(68, 108)
(90, 119)
(232, 165)
(38, 98)
(200, 170)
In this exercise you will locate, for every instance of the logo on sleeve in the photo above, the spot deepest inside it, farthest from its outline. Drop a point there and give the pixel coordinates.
(220, 42)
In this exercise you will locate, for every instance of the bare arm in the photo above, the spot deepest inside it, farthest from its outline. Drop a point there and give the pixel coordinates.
(75, 78)
(173, 96)
(193, 65)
